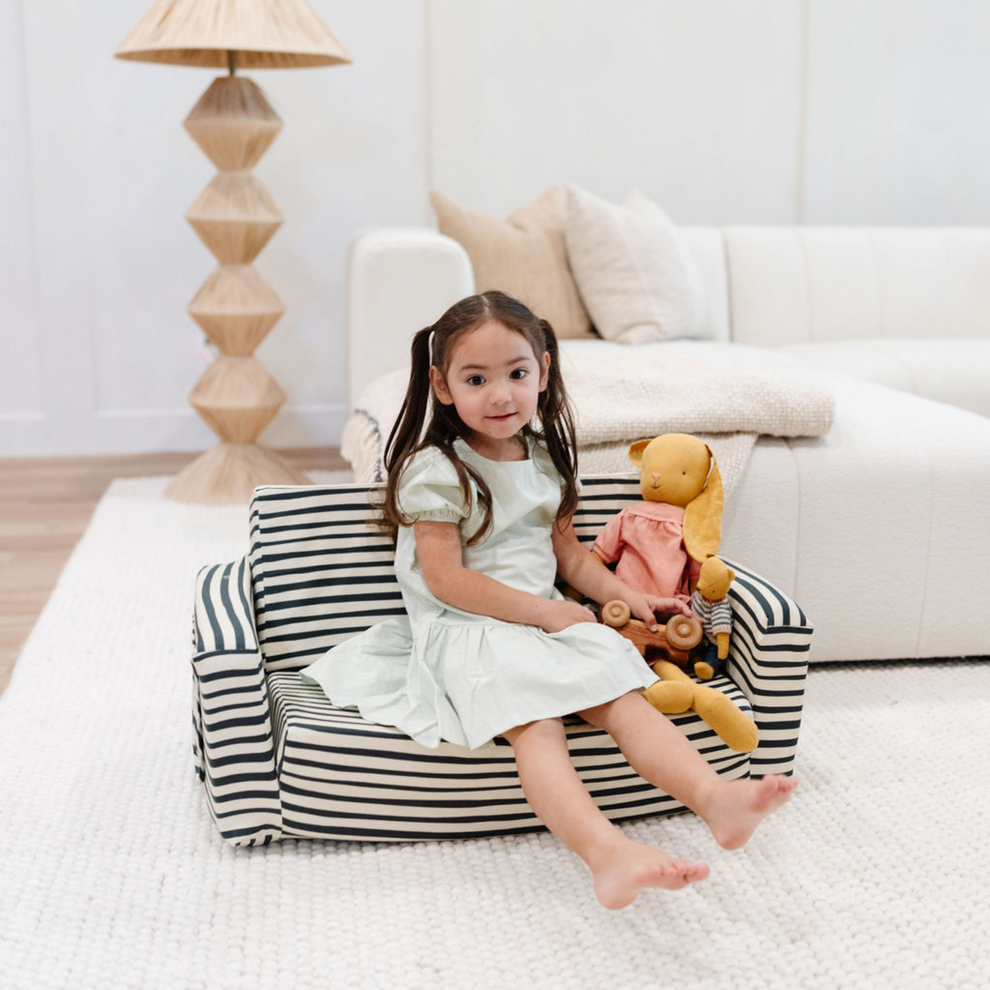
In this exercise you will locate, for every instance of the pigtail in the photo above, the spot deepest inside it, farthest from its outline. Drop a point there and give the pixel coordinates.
(424, 422)
(557, 421)
(408, 426)
(404, 436)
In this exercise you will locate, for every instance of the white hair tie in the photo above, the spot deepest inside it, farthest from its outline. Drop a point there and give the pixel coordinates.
(429, 344)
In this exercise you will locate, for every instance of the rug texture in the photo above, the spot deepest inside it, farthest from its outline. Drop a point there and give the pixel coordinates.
(113, 876)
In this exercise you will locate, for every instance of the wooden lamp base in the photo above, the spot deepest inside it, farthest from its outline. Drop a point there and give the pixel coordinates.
(229, 473)
(234, 217)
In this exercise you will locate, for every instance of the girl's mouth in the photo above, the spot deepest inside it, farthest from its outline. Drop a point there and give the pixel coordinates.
(506, 416)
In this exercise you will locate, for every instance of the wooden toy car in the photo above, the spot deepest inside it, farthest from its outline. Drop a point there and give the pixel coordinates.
(673, 641)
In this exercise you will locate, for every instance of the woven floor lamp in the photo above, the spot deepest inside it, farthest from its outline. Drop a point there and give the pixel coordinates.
(235, 217)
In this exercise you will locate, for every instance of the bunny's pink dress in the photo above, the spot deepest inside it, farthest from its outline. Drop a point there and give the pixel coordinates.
(648, 541)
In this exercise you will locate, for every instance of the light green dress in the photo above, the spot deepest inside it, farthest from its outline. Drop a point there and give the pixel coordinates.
(439, 673)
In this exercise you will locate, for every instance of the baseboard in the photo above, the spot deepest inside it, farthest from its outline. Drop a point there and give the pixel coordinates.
(157, 431)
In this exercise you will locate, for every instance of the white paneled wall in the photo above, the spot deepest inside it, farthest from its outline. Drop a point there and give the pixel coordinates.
(697, 103)
(768, 111)
(20, 366)
(897, 119)
(98, 351)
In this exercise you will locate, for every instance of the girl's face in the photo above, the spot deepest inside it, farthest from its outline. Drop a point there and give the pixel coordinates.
(493, 380)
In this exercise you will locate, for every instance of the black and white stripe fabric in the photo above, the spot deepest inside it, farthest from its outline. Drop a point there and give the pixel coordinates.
(344, 778)
(232, 725)
(321, 573)
(278, 760)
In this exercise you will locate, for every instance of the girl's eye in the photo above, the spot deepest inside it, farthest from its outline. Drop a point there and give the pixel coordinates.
(476, 380)
(519, 373)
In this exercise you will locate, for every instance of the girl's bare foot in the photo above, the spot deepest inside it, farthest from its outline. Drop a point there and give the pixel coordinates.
(736, 807)
(627, 867)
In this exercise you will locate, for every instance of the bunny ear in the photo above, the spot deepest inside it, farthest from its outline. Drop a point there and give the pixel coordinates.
(636, 452)
(703, 516)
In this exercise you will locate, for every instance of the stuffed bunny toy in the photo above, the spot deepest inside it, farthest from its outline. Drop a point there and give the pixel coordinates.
(665, 546)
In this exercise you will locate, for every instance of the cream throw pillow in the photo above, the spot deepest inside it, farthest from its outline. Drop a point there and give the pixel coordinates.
(635, 274)
(524, 256)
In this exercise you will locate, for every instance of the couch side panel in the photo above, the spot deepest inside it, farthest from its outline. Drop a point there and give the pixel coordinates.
(893, 527)
(399, 280)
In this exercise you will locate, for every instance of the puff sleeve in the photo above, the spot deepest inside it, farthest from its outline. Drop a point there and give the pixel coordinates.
(429, 490)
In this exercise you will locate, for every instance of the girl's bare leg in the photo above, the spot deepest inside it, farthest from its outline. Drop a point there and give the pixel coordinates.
(659, 753)
(621, 867)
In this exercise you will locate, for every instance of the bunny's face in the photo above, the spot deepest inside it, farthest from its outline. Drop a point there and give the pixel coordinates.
(673, 468)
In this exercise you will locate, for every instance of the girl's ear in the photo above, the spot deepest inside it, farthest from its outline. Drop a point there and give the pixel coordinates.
(545, 371)
(440, 386)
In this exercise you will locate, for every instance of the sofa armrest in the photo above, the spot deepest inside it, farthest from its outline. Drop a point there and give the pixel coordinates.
(399, 280)
(232, 726)
(768, 660)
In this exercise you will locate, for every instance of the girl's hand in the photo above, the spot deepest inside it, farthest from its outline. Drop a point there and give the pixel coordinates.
(643, 607)
(560, 615)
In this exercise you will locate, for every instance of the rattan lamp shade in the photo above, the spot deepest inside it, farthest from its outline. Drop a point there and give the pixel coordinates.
(264, 34)
(234, 216)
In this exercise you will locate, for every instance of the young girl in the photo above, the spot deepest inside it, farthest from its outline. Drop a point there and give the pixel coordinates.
(479, 501)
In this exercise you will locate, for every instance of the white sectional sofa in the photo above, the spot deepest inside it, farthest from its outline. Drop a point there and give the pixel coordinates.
(880, 528)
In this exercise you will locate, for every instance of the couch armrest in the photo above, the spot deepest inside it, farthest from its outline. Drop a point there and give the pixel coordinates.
(399, 280)
(768, 660)
(232, 726)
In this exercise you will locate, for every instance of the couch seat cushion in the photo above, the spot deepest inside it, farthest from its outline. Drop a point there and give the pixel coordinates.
(954, 370)
(341, 777)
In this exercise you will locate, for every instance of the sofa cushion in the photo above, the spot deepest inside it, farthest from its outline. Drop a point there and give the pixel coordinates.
(635, 273)
(341, 777)
(322, 574)
(954, 370)
(524, 256)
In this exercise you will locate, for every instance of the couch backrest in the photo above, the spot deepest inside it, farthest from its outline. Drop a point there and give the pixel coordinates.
(792, 285)
(321, 574)
(765, 286)
(708, 250)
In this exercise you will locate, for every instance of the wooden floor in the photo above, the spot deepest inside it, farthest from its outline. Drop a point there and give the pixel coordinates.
(45, 506)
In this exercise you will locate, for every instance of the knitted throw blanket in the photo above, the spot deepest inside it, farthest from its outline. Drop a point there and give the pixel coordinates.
(726, 394)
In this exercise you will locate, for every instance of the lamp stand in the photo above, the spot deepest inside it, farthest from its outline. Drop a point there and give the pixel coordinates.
(235, 217)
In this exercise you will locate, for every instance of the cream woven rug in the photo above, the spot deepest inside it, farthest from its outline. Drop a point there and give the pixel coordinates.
(112, 875)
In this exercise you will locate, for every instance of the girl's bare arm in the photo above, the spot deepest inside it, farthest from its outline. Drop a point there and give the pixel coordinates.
(586, 572)
(582, 569)
(438, 545)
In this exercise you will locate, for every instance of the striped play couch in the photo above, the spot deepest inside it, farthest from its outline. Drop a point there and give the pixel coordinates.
(278, 761)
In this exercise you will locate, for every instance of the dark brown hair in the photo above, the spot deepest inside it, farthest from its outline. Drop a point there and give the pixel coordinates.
(426, 422)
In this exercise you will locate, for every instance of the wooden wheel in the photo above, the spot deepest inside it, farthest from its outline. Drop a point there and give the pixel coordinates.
(616, 614)
(684, 631)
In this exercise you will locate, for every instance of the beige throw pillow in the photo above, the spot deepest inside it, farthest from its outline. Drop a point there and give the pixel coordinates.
(636, 276)
(524, 256)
